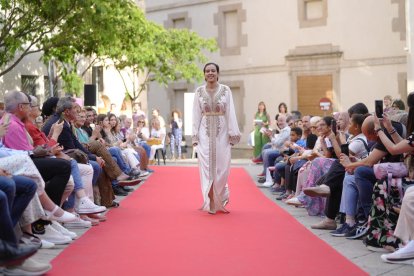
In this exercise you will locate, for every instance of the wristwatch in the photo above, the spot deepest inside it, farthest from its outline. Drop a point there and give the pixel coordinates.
(378, 130)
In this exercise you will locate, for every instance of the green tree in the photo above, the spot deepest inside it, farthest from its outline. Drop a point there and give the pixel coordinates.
(69, 32)
(26, 25)
(165, 56)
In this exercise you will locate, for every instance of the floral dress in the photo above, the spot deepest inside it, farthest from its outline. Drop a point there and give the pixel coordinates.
(315, 205)
(383, 219)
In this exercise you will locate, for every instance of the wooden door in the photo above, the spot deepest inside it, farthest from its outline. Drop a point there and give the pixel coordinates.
(310, 90)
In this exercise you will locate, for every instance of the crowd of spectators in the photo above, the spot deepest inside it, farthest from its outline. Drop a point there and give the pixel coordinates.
(61, 168)
(353, 169)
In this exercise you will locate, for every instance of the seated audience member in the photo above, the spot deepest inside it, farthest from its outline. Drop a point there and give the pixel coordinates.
(358, 187)
(82, 196)
(333, 179)
(398, 105)
(320, 165)
(157, 138)
(67, 109)
(15, 194)
(140, 137)
(55, 172)
(296, 161)
(124, 144)
(404, 227)
(269, 155)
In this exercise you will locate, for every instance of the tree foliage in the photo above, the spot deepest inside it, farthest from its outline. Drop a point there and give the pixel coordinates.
(68, 31)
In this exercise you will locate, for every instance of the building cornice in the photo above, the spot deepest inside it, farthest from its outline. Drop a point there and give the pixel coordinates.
(349, 63)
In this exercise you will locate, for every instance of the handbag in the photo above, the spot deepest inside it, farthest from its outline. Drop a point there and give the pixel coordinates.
(393, 170)
(78, 155)
(153, 141)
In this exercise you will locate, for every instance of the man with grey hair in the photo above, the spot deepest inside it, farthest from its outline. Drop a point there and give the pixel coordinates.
(277, 142)
(67, 109)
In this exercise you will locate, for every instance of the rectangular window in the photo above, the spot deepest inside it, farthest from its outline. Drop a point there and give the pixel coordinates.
(314, 10)
(229, 19)
(312, 13)
(231, 23)
(179, 23)
(46, 84)
(29, 84)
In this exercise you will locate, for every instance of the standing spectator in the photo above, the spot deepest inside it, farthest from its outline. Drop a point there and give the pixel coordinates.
(387, 103)
(137, 113)
(176, 126)
(156, 114)
(282, 108)
(261, 123)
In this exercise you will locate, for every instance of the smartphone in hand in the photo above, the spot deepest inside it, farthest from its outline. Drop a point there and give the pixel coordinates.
(345, 149)
(379, 109)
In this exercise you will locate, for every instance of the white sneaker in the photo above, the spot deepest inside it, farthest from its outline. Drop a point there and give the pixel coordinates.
(143, 174)
(86, 206)
(58, 227)
(51, 235)
(47, 245)
(29, 267)
(293, 201)
(401, 255)
(266, 184)
(78, 223)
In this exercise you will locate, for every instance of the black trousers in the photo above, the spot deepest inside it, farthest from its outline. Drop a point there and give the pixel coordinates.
(55, 172)
(334, 179)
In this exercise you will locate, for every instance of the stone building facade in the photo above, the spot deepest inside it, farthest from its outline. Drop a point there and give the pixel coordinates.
(296, 52)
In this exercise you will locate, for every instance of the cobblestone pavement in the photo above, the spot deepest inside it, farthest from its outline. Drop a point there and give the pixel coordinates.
(354, 250)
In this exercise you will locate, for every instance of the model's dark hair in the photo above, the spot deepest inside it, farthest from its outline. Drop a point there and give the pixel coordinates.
(211, 63)
(358, 108)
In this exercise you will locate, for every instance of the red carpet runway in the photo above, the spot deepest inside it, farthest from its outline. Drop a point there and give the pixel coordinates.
(158, 230)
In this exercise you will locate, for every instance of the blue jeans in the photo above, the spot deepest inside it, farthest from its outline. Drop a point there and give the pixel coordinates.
(146, 147)
(117, 155)
(365, 180)
(176, 138)
(269, 157)
(265, 147)
(15, 194)
(279, 172)
(77, 180)
(97, 170)
(349, 199)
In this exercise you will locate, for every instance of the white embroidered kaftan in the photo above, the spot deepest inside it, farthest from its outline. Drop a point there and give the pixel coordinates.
(215, 128)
